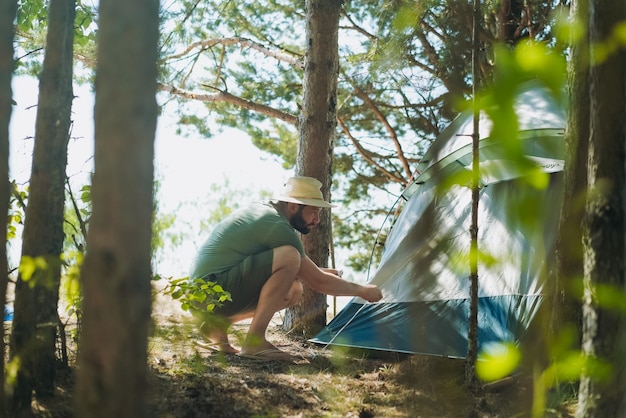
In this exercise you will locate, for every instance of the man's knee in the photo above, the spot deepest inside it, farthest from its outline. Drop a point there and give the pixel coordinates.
(286, 257)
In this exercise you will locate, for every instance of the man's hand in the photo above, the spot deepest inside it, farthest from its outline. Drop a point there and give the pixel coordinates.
(371, 293)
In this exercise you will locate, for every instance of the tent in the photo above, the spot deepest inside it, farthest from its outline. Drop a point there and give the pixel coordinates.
(423, 272)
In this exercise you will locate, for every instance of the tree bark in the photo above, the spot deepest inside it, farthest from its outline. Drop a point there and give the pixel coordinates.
(116, 274)
(8, 9)
(317, 124)
(35, 320)
(472, 327)
(603, 229)
(568, 271)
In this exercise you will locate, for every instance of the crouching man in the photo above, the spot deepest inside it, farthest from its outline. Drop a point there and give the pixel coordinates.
(257, 256)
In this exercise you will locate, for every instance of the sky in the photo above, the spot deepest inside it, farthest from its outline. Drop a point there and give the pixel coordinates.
(186, 167)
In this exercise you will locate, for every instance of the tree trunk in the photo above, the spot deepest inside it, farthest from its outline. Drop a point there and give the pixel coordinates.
(566, 308)
(604, 326)
(116, 274)
(511, 21)
(472, 327)
(8, 9)
(317, 123)
(34, 324)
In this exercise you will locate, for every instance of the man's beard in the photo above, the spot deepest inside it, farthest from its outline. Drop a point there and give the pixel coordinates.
(298, 222)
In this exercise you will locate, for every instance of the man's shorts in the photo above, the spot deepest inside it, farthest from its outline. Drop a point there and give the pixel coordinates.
(244, 282)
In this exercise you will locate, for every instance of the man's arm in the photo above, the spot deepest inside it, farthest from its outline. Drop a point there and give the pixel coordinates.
(328, 283)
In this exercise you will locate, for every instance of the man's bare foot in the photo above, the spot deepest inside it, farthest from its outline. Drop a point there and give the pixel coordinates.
(251, 349)
(266, 351)
(222, 348)
(255, 343)
(218, 339)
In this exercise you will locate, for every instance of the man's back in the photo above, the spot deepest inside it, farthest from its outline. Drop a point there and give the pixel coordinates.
(254, 229)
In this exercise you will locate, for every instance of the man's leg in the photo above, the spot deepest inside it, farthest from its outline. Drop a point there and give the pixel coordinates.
(215, 330)
(218, 334)
(294, 295)
(278, 292)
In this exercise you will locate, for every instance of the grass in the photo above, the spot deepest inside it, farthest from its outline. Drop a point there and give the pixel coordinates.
(188, 382)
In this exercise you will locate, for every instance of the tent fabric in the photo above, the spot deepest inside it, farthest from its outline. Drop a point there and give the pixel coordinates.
(423, 271)
(436, 328)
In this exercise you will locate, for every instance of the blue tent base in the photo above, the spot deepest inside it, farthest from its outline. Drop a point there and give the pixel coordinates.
(8, 313)
(436, 328)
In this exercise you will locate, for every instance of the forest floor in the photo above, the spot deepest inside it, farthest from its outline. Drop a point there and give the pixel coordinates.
(187, 381)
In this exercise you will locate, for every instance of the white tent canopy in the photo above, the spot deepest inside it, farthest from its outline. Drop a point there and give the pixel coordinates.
(424, 272)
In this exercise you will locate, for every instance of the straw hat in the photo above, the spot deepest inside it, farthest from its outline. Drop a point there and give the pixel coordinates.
(305, 191)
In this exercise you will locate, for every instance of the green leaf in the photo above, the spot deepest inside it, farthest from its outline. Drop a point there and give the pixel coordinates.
(498, 361)
(620, 32)
(28, 266)
(611, 297)
(538, 179)
(407, 16)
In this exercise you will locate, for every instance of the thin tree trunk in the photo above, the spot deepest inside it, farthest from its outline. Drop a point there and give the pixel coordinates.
(604, 326)
(566, 307)
(317, 124)
(472, 333)
(116, 273)
(34, 324)
(8, 9)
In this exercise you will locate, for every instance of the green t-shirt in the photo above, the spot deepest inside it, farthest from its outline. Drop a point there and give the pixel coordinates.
(252, 230)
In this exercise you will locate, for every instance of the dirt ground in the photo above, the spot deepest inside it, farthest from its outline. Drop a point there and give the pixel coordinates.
(186, 381)
(323, 384)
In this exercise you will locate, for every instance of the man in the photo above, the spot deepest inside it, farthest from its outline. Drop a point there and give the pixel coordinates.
(257, 256)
